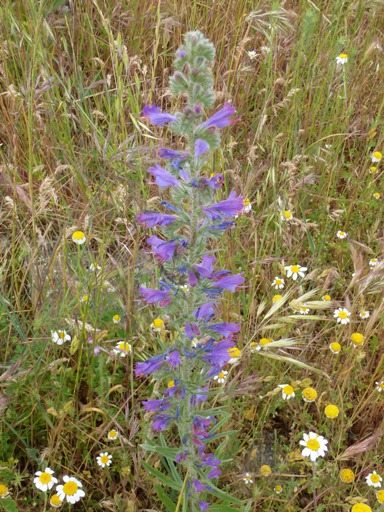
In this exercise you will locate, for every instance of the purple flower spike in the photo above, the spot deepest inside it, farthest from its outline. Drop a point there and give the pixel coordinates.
(224, 209)
(156, 405)
(160, 422)
(229, 282)
(150, 365)
(201, 147)
(225, 328)
(152, 296)
(163, 178)
(155, 116)
(152, 219)
(174, 359)
(221, 118)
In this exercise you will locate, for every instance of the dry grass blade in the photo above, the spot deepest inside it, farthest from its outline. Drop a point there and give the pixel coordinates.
(362, 446)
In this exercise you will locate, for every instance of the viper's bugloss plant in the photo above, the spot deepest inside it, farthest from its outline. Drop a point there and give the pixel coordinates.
(202, 344)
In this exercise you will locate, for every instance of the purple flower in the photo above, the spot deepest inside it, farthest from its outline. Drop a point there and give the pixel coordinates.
(192, 330)
(204, 311)
(171, 153)
(170, 206)
(214, 473)
(203, 505)
(215, 182)
(160, 422)
(150, 365)
(201, 147)
(225, 328)
(156, 405)
(163, 178)
(185, 176)
(199, 486)
(221, 118)
(181, 54)
(200, 396)
(192, 279)
(174, 359)
(156, 117)
(216, 354)
(229, 282)
(152, 219)
(224, 209)
(152, 296)
(205, 269)
(210, 460)
(163, 251)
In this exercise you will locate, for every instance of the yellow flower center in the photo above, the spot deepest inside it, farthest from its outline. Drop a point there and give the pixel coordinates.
(171, 384)
(343, 56)
(78, 235)
(331, 411)
(70, 488)
(288, 390)
(278, 489)
(378, 155)
(295, 268)
(55, 500)
(380, 496)
(221, 375)
(335, 346)
(377, 195)
(347, 476)
(287, 214)
(3, 490)
(246, 201)
(124, 346)
(116, 318)
(313, 444)
(276, 298)
(265, 341)
(357, 338)
(61, 335)
(327, 297)
(343, 314)
(85, 298)
(158, 323)
(373, 169)
(361, 507)
(45, 478)
(234, 352)
(265, 470)
(375, 478)
(381, 385)
(112, 433)
(278, 281)
(104, 459)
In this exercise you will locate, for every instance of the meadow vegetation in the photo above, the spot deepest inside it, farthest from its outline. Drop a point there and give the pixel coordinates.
(305, 151)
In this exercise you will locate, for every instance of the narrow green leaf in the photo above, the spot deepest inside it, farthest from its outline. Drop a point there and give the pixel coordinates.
(163, 478)
(166, 500)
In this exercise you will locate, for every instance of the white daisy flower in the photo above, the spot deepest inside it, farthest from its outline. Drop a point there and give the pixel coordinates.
(4, 491)
(304, 310)
(248, 479)
(113, 434)
(116, 319)
(341, 59)
(342, 315)
(123, 348)
(376, 157)
(380, 386)
(221, 377)
(364, 314)
(373, 262)
(55, 501)
(295, 270)
(78, 237)
(341, 234)
(93, 267)
(71, 490)
(286, 215)
(60, 337)
(44, 480)
(278, 283)
(104, 459)
(287, 391)
(373, 479)
(314, 446)
(252, 54)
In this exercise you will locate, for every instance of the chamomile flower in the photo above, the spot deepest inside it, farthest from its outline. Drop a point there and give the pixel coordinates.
(234, 354)
(265, 470)
(278, 489)
(55, 501)
(104, 459)
(158, 325)
(373, 262)
(376, 157)
(357, 339)
(380, 386)
(60, 337)
(303, 310)
(309, 394)
(341, 59)
(286, 215)
(71, 490)
(331, 411)
(287, 391)
(278, 283)
(116, 319)
(113, 435)
(276, 298)
(123, 348)
(263, 343)
(78, 237)
(380, 496)
(221, 377)
(326, 298)
(252, 54)
(335, 347)
(314, 446)
(94, 267)
(84, 299)
(247, 207)
(364, 314)
(373, 169)
(295, 271)
(347, 475)
(376, 195)
(44, 480)
(248, 479)
(342, 315)
(361, 507)
(341, 235)
(373, 479)
(4, 491)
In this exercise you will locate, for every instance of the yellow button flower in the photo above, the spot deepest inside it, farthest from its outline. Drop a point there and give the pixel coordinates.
(331, 411)
(347, 475)
(78, 237)
(309, 394)
(266, 470)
